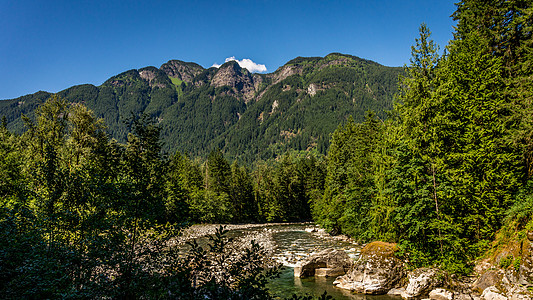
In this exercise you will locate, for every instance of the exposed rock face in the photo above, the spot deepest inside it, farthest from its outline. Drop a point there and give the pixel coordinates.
(258, 80)
(239, 79)
(149, 74)
(375, 272)
(421, 281)
(507, 273)
(492, 293)
(184, 71)
(328, 262)
(501, 284)
(487, 279)
(311, 90)
(525, 272)
(396, 292)
(330, 272)
(461, 296)
(440, 294)
(154, 77)
(286, 71)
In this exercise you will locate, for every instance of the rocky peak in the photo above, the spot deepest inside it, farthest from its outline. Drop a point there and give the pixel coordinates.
(184, 71)
(229, 74)
(151, 75)
(147, 74)
(239, 79)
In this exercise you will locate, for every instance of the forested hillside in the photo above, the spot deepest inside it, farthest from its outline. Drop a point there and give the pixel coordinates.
(248, 116)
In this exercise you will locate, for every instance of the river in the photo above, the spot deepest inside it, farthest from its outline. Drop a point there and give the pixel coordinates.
(292, 243)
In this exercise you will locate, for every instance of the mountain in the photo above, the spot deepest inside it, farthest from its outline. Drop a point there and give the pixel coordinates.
(248, 116)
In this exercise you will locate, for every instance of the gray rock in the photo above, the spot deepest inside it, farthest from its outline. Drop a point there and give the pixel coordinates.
(492, 293)
(336, 260)
(487, 279)
(396, 292)
(525, 273)
(329, 272)
(421, 282)
(518, 292)
(440, 294)
(375, 272)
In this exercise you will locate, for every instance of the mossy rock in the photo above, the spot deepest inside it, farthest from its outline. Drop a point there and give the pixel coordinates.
(379, 248)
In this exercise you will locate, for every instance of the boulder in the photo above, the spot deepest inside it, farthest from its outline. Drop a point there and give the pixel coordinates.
(511, 282)
(487, 279)
(440, 294)
(421, 282)
(375, 272)
(336, 260)
(492, 293)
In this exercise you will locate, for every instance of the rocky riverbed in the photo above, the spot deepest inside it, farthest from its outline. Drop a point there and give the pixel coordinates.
(287, 243)
(375, 269)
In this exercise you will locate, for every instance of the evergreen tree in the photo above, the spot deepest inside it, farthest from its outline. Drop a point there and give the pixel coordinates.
(218, 172)
(242, 194)
(177, 189)
(417, 174)
(349, 185)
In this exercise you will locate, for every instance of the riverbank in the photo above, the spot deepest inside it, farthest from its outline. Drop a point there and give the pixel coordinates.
(299, 240)
(291, 243)
(288, 244)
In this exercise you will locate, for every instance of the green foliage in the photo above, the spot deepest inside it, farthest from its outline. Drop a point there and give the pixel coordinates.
(242, 195)
(506, 261)
(179, 185)
(12, 186)
(83, 216)
(287, 116)
(349, 184)
(516, 263)
(521, 213)
(285, 189)
(324, 296)
(438, 176)
(225, 272)
(457, 160)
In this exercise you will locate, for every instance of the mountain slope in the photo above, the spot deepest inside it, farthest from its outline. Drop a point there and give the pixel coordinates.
(249, 116)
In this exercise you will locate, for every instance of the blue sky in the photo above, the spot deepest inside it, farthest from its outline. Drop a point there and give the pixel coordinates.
(52, 45)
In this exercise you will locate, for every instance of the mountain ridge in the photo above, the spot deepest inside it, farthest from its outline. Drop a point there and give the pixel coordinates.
(248, 115)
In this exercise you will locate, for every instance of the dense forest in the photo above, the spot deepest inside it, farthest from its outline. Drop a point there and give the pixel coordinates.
(445, 173)
(451, 167)
(85, 216)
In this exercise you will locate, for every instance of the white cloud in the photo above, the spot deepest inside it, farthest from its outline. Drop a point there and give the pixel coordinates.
(246, 63)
